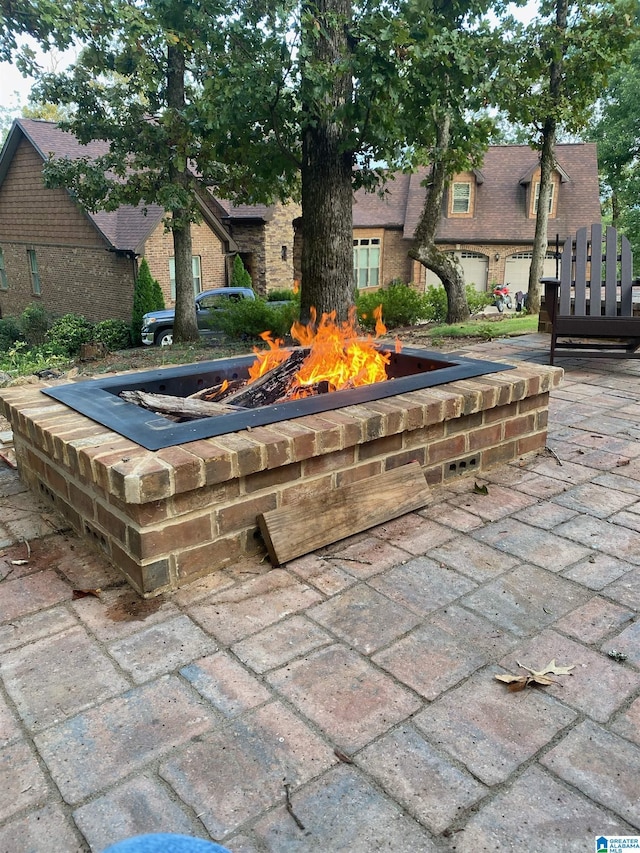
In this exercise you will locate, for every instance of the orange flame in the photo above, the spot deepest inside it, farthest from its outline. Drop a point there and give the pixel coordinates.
(338, 354)
(267, 359)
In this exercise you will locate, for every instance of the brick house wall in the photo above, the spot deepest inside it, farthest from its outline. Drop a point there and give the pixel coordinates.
(396, 263)
(250, 237)
(158, 249)
(270, 248)
(71, 255)
(279, 248)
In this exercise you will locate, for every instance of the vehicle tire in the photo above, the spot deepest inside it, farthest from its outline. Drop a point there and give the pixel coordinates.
(508, 302)
(500, 304)
(164, 338)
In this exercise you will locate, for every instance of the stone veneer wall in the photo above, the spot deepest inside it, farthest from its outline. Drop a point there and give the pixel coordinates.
(169, 516)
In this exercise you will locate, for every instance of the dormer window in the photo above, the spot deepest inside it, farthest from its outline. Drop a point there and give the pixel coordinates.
(531, 181)
(536, 197)
(461, 198)
(462, 194)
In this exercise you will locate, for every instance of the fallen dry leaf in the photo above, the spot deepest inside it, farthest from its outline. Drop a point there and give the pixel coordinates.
(519, 682)
(480, 490)
(83, 593)
(541, 677)
(551, 667)
(342, 756)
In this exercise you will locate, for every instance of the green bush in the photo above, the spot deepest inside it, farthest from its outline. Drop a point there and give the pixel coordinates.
(281, 296)
(114, 334)
(147, 296)
(436, 300)
(158, 295)
(9, 333)
(401, 306)
(248, 318)
(68, 333)
(477, 300)
(239, 275)
(22, 360)
(34, 322)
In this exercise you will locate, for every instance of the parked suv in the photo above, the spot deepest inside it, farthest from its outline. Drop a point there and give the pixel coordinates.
(157, 326)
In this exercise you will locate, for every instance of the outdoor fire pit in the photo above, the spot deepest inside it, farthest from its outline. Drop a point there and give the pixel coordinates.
(409, 370)
(170, 502)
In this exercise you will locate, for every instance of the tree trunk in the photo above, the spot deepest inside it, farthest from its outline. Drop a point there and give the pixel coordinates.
(185, 325)
(547, 165)
(541, 239)
(424, 249)
(326, 172)
(615, 209)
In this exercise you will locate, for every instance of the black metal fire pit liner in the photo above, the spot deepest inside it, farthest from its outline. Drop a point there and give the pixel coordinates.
(410, 370)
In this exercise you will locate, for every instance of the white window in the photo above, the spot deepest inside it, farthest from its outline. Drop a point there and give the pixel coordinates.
(34, 273)
(461, 198)
(366, 261)
(195, 270)
(536, 197)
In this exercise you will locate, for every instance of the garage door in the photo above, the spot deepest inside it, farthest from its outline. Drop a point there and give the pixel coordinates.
(517, 270)
(475, 267)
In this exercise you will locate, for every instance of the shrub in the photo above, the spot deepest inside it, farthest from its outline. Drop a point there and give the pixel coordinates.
(68, 333)
(147, 296)
(21, 360)
(9, 333)
(437, 305)
(248, 318)
(114, 334)
(158, 296)
(401, 306)
(34, 322)
(281, 296)
(239, 275)
(478, 300)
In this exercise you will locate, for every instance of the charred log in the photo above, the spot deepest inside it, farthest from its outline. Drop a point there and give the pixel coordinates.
(182, 407)
(272, 386)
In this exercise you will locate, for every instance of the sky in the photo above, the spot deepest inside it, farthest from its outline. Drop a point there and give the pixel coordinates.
(14, 88)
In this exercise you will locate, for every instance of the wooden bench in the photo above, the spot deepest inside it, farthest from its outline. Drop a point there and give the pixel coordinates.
(591, 305)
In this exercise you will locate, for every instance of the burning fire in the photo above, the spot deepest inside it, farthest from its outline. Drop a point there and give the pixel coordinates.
(339, 356)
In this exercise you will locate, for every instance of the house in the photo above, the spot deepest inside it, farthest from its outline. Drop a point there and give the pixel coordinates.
(54, 252)
(488, 218)
(69, 260)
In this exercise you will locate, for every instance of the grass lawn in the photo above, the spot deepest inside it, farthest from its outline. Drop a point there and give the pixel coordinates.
(519, 324)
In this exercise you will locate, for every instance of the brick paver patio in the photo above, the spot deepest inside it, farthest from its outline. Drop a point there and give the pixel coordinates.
(361, 676)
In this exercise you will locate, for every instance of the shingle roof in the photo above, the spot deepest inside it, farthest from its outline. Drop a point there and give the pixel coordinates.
(263, 212)
(128, 227)
(124, 229)
(500, 208)
(370, 210)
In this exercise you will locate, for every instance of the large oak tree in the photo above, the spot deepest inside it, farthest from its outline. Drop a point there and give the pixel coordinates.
(556, 72)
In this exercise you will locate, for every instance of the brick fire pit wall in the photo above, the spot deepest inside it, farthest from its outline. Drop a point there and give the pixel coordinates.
(167, 517)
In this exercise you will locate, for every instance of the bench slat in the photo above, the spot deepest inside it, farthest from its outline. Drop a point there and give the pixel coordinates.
(595, 289)
(580, 298)
(598, 327)
(611, 277)
(565, 277)
(626, 274)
